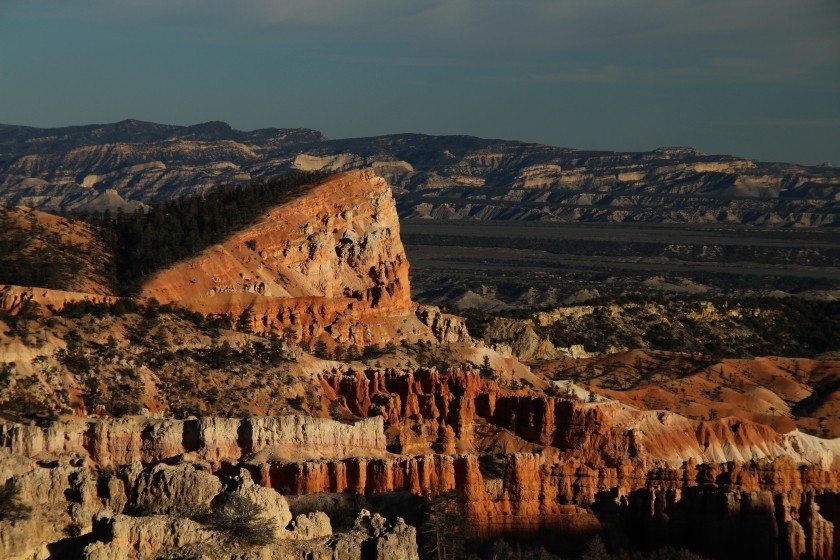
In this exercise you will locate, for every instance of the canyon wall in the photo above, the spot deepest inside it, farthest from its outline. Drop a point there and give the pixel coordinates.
(145, 440)
(137, 512)
(789, 510)
(600, 433)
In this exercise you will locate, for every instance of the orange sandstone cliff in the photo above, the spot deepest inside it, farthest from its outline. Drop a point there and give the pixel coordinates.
(789, 510)
(329, 262)
(642, 478)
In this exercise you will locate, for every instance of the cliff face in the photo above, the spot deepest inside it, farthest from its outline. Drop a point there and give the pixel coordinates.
(601, 434)
(789, 510)
(148, 512)
(130, 440)
(330, 261)
(649, 479)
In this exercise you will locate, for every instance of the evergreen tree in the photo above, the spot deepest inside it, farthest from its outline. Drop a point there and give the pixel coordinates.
(486, 370)
(321, 351)
(445, 530)
(245, 321)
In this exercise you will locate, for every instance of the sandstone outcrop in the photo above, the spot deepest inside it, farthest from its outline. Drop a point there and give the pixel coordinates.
(525, 343)
(328, 264)
(144, 512)
(604, 433)
(12, 298)
(145, 440)
(445, 327)
(597, 467)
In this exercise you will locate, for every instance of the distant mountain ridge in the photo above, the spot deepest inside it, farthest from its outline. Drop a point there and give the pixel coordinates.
(23, 140)
(131, 162)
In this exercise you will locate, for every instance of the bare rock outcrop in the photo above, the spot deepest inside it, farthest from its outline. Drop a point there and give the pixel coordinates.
(330, 262)
(12, 298)
(165, 489)
(445, 327)
(602, 433)
(651, 478)
(120, 537)
(146, 440)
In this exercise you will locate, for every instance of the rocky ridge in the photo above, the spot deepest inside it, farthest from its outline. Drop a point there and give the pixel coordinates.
(439, 177)
(328, 264)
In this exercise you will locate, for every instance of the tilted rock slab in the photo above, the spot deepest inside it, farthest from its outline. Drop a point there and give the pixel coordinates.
(329, 261)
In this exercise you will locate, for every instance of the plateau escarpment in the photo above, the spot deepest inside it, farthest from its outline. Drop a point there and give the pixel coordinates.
(669, 220)
(439, 177)
(329, 263)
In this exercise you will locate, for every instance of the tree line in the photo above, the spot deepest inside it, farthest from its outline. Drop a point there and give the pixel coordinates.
(35, 256)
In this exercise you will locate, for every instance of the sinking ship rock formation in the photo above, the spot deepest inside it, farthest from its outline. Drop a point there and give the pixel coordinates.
(330, 261)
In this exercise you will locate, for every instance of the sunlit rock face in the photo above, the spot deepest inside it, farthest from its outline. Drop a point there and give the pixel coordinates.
(124, 165)
(328, 263)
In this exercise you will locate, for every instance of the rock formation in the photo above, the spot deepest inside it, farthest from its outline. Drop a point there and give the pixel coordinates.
(146, 440)
(791, 508)
(439, 177)
(646, 476)
(128, 510)
(329, 263)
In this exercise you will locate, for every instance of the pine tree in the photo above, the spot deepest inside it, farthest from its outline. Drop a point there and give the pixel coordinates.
(245, 321)
(321, 351)
(445, 529)
(486, 370)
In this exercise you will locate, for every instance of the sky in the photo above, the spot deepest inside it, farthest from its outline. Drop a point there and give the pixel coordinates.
(753, 78)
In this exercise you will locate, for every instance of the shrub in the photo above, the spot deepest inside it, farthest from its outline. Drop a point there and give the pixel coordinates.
(295, 402)
(240, 519)
(11, 508)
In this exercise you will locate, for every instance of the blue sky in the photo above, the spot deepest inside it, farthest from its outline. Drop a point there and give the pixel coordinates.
(755, 78)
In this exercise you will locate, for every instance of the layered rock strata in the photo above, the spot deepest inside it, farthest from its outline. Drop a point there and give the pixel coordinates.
(439, 177)
(137, 512)
(792, 510)
(601, 433)
(145, 440)
(114, 483)
(329, 264)
(643, 479)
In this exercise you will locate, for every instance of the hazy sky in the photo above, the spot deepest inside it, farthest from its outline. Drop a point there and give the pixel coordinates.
(756, 78)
